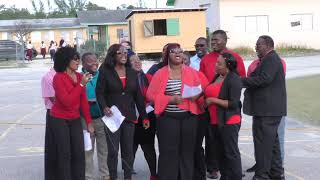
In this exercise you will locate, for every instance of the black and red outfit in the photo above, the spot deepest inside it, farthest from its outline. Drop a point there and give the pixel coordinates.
(65, 126)
(207, 66)
(225, 124)
(124, 93)
(145, 137)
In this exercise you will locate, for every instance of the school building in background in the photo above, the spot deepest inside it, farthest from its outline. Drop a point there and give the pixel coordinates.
(287, 22)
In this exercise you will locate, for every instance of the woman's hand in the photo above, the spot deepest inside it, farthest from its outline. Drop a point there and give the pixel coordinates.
(146, 124)
(209, 101)
(176, 99)
(86, 78)
(90, 129)
(107, 111)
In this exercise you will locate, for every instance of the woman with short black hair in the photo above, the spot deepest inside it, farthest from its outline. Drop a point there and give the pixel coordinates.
(65, 124)
(223, 101)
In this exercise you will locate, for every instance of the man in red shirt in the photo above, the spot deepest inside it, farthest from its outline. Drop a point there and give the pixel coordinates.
(207, 66)
(219, 44)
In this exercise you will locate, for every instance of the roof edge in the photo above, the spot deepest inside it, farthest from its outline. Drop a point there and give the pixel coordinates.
(163, 10)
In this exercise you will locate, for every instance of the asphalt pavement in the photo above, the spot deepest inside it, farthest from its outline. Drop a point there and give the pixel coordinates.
(22, 124)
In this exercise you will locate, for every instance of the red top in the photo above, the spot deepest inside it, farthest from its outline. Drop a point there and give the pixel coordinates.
(157, 87)
(208, 64)
(123, 81)
(213, 90)
(70, 98)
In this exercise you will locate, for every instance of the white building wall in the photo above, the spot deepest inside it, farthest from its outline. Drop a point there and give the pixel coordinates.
(246, 20)
(212, 12)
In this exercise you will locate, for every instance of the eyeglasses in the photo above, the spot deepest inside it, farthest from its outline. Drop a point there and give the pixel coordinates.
(76, 59)
(199, 45)
(176, 51)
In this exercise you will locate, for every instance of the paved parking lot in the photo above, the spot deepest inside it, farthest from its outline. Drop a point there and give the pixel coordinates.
(22, 123)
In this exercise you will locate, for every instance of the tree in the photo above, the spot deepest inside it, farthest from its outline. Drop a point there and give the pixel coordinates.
(22, 30)
(39, 12)
(71, 7)
(14, 13)
(91, 6)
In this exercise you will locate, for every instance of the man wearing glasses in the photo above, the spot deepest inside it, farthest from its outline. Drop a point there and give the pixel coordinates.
(201, 46)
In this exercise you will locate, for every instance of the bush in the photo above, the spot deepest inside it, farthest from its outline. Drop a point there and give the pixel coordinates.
(97, 47)
(245, 51)
(289, 49)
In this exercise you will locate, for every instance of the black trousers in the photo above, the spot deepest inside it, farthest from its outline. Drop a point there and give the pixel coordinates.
(199, 156)
(150, 156)
(267, 147)
(50, 157)
(70, 148)
(228, 151)
(124, 137)
(211, 150)
(177, 137)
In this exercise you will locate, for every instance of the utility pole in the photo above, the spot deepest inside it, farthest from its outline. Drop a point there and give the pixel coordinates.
(156, 4)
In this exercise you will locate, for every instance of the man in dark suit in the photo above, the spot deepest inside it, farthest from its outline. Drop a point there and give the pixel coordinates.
(266, 100)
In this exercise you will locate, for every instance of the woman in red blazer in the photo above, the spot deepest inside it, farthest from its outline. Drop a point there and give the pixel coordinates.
(177, 117)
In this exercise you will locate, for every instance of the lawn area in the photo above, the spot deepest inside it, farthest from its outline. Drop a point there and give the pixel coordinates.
(304, 99)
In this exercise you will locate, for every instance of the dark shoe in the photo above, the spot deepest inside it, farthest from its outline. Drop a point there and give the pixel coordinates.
(252, 169)
(153, 177)
(213, 175)
(280, 177)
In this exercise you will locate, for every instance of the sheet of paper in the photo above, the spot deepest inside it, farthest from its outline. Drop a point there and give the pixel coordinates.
(114, 122)
(87, 140)
(190, 91)
(149, 108)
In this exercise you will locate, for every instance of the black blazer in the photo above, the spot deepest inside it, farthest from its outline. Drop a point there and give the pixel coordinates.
(109, 91)
(266, 88)
(231, 91)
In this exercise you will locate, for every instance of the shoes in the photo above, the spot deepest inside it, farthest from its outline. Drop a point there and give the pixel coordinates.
(213, 175)
(252, 169)
(280, 177)
(153, 178)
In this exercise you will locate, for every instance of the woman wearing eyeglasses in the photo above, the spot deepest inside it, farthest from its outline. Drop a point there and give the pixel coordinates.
(117, 85)
(223, 101)
(177, 116)
(65, 124)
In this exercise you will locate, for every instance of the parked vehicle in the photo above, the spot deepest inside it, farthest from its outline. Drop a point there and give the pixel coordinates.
(9, 49)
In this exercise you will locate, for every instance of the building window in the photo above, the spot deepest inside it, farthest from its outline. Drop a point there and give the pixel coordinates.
(49, 36)
(162, 27)
(4, 36)
(251, 24)
(36, 36)
(301, 22)
(65, 35)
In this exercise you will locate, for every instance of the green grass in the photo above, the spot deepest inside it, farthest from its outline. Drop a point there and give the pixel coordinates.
(304, 99)
(284, 50)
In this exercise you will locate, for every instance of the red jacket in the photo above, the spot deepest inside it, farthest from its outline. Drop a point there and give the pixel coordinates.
(208, 64)
(70, 98)
(157, 87)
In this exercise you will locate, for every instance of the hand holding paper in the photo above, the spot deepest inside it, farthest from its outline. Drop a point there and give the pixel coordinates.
(113, 122)
(191, 91)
